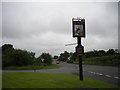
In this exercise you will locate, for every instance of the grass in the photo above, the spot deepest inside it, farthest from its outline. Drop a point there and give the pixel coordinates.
(101, 64)
(48, 80)
(31, 67)
(93, 63)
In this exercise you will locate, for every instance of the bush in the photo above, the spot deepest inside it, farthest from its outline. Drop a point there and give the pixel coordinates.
(47, 58)
(110, 60)
(16, 57)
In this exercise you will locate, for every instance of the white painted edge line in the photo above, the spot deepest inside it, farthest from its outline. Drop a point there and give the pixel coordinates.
(107, 75)
(116, 77)
(100, 74)
(91, 72)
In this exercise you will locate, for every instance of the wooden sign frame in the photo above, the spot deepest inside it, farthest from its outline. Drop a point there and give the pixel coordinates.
(79, 28)
(80, 50)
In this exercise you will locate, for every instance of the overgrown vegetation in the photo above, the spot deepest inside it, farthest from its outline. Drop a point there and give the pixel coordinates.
(100, 57)
(110, 60)
(17, 57)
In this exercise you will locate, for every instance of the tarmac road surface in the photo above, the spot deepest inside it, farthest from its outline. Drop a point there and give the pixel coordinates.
(102, 73)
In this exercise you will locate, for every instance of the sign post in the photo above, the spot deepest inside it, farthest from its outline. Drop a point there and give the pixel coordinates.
(79, 31)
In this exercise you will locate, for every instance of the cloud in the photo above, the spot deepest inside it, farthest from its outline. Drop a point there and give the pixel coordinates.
(47, 27)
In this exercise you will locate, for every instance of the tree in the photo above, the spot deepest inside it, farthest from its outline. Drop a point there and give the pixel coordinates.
(23, 57)
(101, 53)
(16, 57)
(64, 56)
(47, 58)
(74, 56)
(55, 57)
(110, 52)
(7, 55)
(7, 47)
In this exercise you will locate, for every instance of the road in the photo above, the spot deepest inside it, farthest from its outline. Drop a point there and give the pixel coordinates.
(103, 73)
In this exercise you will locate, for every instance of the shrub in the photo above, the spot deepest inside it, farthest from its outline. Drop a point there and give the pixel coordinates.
(111, 59)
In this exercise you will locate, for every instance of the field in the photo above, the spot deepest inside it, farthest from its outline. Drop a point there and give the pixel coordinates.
(49, 80)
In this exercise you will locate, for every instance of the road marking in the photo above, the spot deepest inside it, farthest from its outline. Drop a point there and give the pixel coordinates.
(116, 77)
(92, 72)
(107, 75)
(98, 73)
(102, 74)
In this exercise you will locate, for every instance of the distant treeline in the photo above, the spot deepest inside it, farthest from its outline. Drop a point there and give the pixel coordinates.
(111, 60)
(99, 53)
(18, 57)
(92, 57)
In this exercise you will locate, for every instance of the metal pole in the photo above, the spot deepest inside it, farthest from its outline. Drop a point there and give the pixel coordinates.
(80, 62)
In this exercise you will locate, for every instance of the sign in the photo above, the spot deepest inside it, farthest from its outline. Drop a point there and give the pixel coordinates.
(80, 50)
(79, 28)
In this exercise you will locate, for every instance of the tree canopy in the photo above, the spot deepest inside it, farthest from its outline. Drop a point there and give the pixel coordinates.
(18, 57)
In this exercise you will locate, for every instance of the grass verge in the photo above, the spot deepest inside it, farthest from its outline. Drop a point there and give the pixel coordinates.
(48, 80)
(31, 67)
(99, 64)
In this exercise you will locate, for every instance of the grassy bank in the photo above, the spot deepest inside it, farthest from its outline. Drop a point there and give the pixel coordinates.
(31, 67)
(49, 80)
(111, 60)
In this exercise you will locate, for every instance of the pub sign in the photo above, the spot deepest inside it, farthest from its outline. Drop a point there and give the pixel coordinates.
(80, 50)
(78, 28)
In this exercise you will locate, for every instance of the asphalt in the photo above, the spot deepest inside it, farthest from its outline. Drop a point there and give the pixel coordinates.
(102, 73)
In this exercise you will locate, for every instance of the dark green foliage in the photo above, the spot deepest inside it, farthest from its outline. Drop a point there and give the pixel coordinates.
(97, 57)
(7, 47)
(55, 57)
(7, 55)
(96, 53)
(23, 58)
(73, 57)
(37, 62)
(113, 60)
(64, 56)
(46, 57)
(16, 57)
(110, 52)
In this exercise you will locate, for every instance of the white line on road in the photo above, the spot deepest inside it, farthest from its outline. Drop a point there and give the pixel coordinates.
(103, 74)
(91, 72)
(107, 75)
(116, 77)
(100, 74)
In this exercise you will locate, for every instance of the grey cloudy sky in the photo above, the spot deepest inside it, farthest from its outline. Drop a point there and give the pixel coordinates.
(47, 27)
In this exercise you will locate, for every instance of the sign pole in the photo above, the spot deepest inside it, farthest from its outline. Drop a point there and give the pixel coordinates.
(79, 32)
(80, 61)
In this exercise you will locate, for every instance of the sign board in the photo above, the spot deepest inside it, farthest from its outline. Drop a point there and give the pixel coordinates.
(80, 50)
(79, 28)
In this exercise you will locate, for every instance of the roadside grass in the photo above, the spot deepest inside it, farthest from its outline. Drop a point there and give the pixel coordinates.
(49, 80)
(100, 64)
(93, 63)
(31, 67)
(109, 60)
